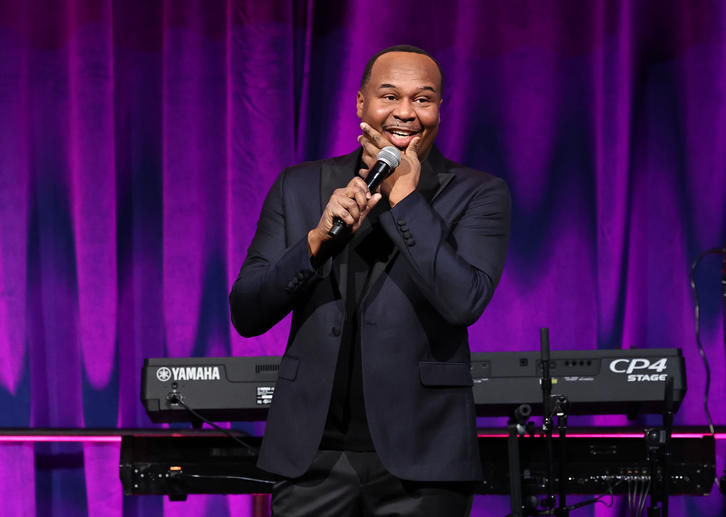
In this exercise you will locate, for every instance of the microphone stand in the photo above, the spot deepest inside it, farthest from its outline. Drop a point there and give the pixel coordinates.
(546, 382)
(654, 439)
(668, 424)
(561, 408)
(659, 447)
(516, 426)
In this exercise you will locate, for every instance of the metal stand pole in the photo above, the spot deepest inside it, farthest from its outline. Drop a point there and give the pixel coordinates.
(516, 426)
(668, 425)
(659, 454)
(561, 408)
(546, 381)
(654, 441)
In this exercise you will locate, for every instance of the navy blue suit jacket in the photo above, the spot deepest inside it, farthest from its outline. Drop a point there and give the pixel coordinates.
(448, 257)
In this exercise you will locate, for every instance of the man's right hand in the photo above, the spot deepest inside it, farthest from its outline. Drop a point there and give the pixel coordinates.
(351, 203)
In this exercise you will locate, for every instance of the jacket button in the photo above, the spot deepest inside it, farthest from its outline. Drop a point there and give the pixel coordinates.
(335, 331)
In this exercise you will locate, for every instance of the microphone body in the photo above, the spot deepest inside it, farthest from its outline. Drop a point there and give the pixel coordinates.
(388, 159)
(380, 171)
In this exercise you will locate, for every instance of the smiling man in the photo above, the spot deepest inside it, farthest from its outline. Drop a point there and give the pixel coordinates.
(373, 411)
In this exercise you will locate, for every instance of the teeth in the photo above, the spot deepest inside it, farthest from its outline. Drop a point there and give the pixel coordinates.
(398, 133)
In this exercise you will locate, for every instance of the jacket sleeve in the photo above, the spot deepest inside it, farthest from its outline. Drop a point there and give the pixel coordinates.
(457, 267)
(275, 272)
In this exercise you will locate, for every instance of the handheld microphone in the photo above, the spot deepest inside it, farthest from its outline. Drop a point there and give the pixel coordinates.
(388, 159)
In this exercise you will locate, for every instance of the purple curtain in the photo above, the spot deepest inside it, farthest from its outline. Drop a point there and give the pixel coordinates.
(138, 139)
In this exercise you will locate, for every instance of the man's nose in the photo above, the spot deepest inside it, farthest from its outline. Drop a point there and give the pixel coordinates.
(404, 110)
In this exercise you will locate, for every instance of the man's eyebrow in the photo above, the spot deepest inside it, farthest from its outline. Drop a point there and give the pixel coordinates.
(388, 85)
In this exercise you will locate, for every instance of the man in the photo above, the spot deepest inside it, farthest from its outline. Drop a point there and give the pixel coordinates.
(373, 410)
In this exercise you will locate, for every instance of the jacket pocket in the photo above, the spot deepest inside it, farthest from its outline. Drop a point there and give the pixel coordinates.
(288, 368)
(444, 374)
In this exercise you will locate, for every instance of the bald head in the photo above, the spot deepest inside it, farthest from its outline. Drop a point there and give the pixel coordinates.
(399, 48)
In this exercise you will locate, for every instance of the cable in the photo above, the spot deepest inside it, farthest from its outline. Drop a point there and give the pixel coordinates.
(646, 491)
(712, 251)
(631, 496)
(639, 493)
(595, 500)
(222, 476)
(176, 399)
(641, 496)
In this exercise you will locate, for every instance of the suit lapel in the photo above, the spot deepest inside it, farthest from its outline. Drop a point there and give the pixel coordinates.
(437, 173)
(336, 174)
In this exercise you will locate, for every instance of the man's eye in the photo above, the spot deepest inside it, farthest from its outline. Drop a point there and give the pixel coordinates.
(423, 100)
(389, 97)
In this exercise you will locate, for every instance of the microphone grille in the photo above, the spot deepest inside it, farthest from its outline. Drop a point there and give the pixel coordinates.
(391, 156)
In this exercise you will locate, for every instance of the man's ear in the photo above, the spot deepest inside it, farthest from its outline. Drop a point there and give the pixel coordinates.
(359, 105)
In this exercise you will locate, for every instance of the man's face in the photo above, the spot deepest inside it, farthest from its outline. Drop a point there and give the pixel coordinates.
(401, 99)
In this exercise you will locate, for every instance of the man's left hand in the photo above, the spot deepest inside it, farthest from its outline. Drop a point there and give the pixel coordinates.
(405, 178)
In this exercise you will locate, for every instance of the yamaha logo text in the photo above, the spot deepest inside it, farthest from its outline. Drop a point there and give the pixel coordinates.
(640, 369)
(188, 373)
